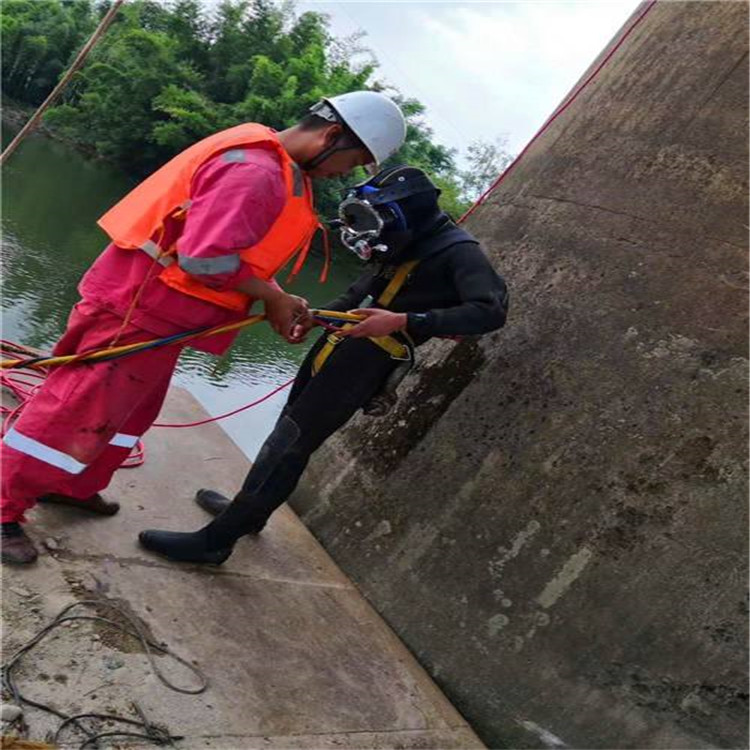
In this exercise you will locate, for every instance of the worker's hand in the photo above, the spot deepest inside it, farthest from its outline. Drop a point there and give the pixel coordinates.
(376, 323)
(284, 312)
(301, 329)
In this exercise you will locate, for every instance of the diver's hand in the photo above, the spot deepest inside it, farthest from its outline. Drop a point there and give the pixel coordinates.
(285, 312)
(376, 323)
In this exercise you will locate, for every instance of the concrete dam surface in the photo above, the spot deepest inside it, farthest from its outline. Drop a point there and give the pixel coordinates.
(554, 518)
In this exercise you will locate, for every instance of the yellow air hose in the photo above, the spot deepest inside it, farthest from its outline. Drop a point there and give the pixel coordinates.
(93, 356)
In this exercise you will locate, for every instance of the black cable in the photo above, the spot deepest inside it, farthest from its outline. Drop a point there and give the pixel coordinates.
(154, 733)
(97, 737)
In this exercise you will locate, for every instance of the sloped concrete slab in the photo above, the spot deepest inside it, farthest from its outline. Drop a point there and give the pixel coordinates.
(294, 655)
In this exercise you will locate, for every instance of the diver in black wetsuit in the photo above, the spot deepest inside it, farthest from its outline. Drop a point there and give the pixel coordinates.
(428, 278)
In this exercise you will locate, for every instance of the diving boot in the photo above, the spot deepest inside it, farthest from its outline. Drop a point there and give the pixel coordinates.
(192, 547)
(215, 503)
(94, 504)
(17, 548)
(212, 502)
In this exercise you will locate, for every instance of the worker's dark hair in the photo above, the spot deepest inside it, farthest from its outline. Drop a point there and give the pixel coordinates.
(312, 122)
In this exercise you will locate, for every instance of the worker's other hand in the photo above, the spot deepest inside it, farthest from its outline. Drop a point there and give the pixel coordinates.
(284, 312)
(376, 323)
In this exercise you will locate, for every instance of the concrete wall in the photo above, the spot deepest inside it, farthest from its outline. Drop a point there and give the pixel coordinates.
(554, 519)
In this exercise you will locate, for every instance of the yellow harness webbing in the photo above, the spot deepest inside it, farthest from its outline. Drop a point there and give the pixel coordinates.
(392, 345)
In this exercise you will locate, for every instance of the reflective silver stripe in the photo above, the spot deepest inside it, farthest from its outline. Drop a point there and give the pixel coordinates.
(236, 154)
(42, 452)
(151, 248)
(209, 266)
(186, 204)
(298, 182)
(121, 440)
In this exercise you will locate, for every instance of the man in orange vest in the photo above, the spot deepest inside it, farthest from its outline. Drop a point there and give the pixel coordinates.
(192, 246)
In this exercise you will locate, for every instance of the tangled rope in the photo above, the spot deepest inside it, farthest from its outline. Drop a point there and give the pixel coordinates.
(149, 731)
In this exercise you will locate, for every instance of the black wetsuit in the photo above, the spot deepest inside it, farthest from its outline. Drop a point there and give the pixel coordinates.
(453, 291)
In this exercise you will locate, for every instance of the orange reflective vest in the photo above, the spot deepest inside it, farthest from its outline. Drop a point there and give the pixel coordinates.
(133, 221)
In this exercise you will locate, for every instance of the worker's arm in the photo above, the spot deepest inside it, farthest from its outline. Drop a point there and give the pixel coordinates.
(352, 297)
(283, 311)
(235, 199)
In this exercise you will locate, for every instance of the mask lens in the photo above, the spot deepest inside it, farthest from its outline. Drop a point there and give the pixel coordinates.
(360, 217)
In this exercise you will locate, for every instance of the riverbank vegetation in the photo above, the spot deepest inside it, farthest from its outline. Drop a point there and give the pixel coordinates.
(169, 72)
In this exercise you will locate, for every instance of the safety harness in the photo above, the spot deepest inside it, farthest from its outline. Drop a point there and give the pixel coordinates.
(396, 348)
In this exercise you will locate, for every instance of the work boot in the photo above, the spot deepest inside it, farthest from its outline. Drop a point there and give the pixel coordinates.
(17, 548)
(94, 504)
(181, 546)
(212, 502)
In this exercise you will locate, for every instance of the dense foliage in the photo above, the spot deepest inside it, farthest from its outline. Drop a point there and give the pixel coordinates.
(169, 73)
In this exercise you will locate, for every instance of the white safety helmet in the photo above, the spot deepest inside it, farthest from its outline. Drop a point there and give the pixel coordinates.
(374, 118)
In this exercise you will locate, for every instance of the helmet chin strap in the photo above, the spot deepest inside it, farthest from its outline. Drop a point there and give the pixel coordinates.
(326, 153)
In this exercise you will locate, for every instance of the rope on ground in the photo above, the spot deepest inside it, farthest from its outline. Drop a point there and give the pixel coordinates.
(149, 731)
(63, 82)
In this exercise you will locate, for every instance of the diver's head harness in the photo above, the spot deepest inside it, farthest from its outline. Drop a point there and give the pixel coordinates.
(369, 212)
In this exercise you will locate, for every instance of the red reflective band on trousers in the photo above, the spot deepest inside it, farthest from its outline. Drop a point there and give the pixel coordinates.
(82, 423)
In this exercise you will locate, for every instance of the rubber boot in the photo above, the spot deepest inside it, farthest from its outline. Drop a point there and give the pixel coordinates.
(266, 486)
(212, 502)
(17, 548)
(274, 475)
(193, 547)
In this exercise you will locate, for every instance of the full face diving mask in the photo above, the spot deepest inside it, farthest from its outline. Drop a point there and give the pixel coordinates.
(368, 215)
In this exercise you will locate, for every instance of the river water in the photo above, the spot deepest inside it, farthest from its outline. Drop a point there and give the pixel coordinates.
(52, 197)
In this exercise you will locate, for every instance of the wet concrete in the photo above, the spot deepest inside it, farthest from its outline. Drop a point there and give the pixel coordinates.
(554, 518)
(294, 655)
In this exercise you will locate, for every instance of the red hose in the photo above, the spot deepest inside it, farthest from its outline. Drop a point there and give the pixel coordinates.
(231, 413)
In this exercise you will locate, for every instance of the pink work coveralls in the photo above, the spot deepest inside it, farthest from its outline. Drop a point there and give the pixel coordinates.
(85, 419)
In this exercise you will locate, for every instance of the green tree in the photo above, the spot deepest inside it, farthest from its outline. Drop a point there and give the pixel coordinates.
(168, 73)
(40, 37)
(486, 161)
